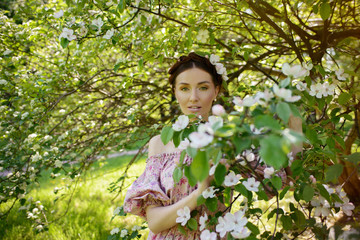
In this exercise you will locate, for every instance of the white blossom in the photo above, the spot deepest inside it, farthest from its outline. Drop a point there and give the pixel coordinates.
(231, 179)
(184, 144)
(220, 69)
(123, 233)
(249, 155)
(136, 228)
(98, 23)
(109, 34)
(209, 192)
(241, 233)
(347, 207)
(114, 231)
(341, 75)
(117, 211)
(248, 101)
(251, 184)
(207, 235)
(59, 14)
(301, 86)
(68, 34)
(212, 170)
(200, 139)
(36, 157)
(216, 122)
(296, 71)
(268, 172)
(254, 130)
(39, 227)
(183, 215)
(202, 221)
(3, 82)
(221, 227)
(58, 164)
(203, 35)
(264, 97)
(316, 90)
(284, 93)
(322, 206)
(83, 31)
(214, 59)
(181, 123)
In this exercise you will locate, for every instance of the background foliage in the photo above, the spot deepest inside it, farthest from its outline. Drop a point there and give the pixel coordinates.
(65, 102)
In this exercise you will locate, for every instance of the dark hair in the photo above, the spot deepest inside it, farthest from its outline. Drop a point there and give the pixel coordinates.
(194, 60)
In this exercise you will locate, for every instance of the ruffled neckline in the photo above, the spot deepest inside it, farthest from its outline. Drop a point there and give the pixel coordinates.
(166, 154)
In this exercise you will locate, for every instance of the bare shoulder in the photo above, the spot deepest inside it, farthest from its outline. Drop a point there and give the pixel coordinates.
(156, 146)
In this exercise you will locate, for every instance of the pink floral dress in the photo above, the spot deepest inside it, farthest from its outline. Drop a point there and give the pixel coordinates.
(156, 187)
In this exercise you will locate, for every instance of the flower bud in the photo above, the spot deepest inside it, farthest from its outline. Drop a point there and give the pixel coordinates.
(218, 110)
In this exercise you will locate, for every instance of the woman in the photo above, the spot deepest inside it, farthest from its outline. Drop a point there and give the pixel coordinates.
(154, 196)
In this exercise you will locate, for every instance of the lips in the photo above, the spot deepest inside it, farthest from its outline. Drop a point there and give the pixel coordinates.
(194, 108)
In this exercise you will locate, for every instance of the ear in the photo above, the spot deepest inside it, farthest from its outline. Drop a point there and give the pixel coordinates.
(217, 90)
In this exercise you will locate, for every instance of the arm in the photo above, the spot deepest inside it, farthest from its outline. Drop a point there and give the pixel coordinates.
(161, 218)
(295, 123)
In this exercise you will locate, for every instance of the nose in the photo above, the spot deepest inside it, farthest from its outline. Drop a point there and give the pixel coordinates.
(194, 97)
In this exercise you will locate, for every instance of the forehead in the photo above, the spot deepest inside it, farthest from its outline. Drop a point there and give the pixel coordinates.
(194, 76)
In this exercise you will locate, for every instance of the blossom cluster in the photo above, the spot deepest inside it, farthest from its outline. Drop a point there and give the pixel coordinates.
(323, 207)
(220, 68)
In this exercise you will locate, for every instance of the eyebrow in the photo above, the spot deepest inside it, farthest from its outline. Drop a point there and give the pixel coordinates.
(203, 82)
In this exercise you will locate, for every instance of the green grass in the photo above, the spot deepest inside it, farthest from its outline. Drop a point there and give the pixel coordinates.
(89, 212)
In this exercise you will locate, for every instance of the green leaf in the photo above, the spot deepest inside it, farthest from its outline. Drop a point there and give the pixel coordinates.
(227, 196)
(191, 179)
(262, 195)
(323, 192)
(286, 222)
(283, 192)
(242, 189)
(166, 134)
(344, 98)
(311, 134)
(211, 204)
(254, 229)
(297, 167)
(121, 6)
(192, 224)
(283, 110)
(354, 158)
(177, 175)
(276, 182)
(182, 156)
(308, 193)
(226, 131)
(176, 138)
(200, 166)
(271, 151)
(200, 200)
(181, 229)
(266, 121)
(333, 172)
(191, 152)
(241, 143)
(64, 42)
(325, 10)
(284, 83)
(220, 172)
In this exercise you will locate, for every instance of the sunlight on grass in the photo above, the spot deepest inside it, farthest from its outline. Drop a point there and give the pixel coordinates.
(90, 210)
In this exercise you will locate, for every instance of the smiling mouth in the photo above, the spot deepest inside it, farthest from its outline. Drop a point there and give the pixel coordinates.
(194, 109)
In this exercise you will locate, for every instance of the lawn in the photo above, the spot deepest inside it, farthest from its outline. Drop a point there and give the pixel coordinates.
(89, 212)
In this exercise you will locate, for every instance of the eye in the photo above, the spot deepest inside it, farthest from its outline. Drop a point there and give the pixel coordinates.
(204, 88)
(184, 89)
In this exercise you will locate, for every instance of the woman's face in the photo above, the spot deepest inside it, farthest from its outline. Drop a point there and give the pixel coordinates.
(195, 92)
